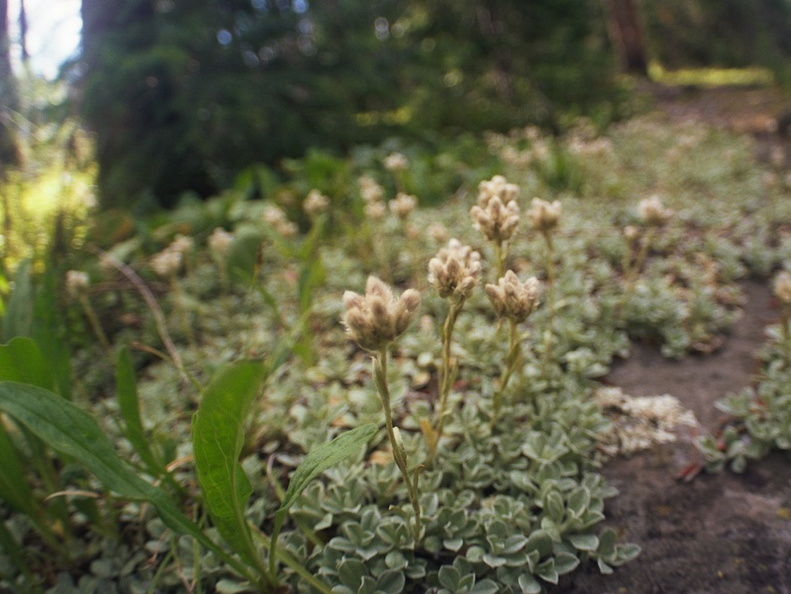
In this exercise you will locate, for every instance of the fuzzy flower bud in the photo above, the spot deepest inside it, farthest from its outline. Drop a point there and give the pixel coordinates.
(653, 213)
(182, 244)
(497, 221)
(167, 263)
(498, 187)
(377, 318)
(375, 211)
(512, 298)
(782, 287)
(454, 271)
(275, 217)
(403, 205)
(220, 241)
(76, 283)
(370, 190)
(543, 215)
(395, 162)
(315, 203)
(438, 232)
(631, 232)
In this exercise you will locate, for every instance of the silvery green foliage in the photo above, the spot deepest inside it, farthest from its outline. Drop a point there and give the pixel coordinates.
(504, 510)
(761, 416)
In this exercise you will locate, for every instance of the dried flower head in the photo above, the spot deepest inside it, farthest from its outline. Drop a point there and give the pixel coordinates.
(438, 232)
(543, 215)
(167, 263)
(220, 241)
(512, 298)
(454, 271)
(182, 244)
(274, 216)
(653, 212)
(498, 187)
(375, 211)
(377, 318)
(631, 232)
(76, 283)
(370, 190)
(403, 205)
(315, 203)
(395, 162)
(782, 287)
(497, 221)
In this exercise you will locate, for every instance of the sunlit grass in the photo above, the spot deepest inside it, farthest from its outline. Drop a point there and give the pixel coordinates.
(711, 77)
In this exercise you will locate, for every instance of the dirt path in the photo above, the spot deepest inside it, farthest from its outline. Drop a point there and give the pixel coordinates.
(720, 534)
(725, 533)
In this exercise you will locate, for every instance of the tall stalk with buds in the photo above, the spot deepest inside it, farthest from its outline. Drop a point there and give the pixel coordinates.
(514, 301)
(454, 273)
(497, 215)
(544, 217)
(373, 321)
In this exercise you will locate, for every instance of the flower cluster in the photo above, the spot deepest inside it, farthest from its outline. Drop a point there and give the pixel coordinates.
(403, 205)
(543, 215)
(653, 212)
(275, 217)
(372, 194)
(512, 298)
(497, 214)
(220, 241)
(782, 287)
(167, 263)
(454, 271)
(315, 203)
(395, 162)
(377, 318)
(76, 283)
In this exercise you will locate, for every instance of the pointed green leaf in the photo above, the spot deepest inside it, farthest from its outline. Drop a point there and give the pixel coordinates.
(217, 439)
(21, 361)
(316, 462)
(129, 404)
(70, 430)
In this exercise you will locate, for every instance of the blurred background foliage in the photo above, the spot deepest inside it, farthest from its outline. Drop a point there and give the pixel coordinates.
(181, 97)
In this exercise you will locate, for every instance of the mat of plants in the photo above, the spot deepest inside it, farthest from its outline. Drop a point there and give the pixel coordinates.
(572, 373)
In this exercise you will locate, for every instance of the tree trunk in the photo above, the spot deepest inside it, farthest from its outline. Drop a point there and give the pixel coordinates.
(626, 34)
(9, 98)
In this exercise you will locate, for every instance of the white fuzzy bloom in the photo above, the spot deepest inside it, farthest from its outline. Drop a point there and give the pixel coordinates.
(454, 271)
(315, 203)
(182, 244)
(403, 205)
(220, 241)
(395, 162)
(77, 283)
(167, 263)
(543, 215)
(653, 212)
(512, 298)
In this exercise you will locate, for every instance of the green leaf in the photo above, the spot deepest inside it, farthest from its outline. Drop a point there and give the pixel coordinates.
(126, 389)
(316, 462)
(584, 542)
(70, 430)
(22, 361)
(217, 440)
(18, 318)
(528, 584)
(391, 581)
(566, 563)
(485, 587)
(14, 489)
(449, 577)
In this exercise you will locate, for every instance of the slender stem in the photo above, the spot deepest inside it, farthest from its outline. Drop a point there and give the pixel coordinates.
(446, 372)
(96, 327)
(514, 352)
(380, 378)
(550, 330)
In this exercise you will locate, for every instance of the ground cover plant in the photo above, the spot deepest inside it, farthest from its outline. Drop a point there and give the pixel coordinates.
(339, 389)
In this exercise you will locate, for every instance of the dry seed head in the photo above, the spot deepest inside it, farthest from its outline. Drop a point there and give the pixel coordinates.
(512, 298)
(76, 283)
(782, 287)
(543, 215)
(315, 203)
(497, 221)
(395, 162)
(403, 205)
(167, 263)
(377, 318)
(182, 244)
(370, 190)
(438, 232)
(220, 241)
(454, 271)
(653, 212)
(374, 211)
(631, 232)
(497, 186)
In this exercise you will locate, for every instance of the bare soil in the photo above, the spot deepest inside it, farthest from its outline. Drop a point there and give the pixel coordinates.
(718, 534)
